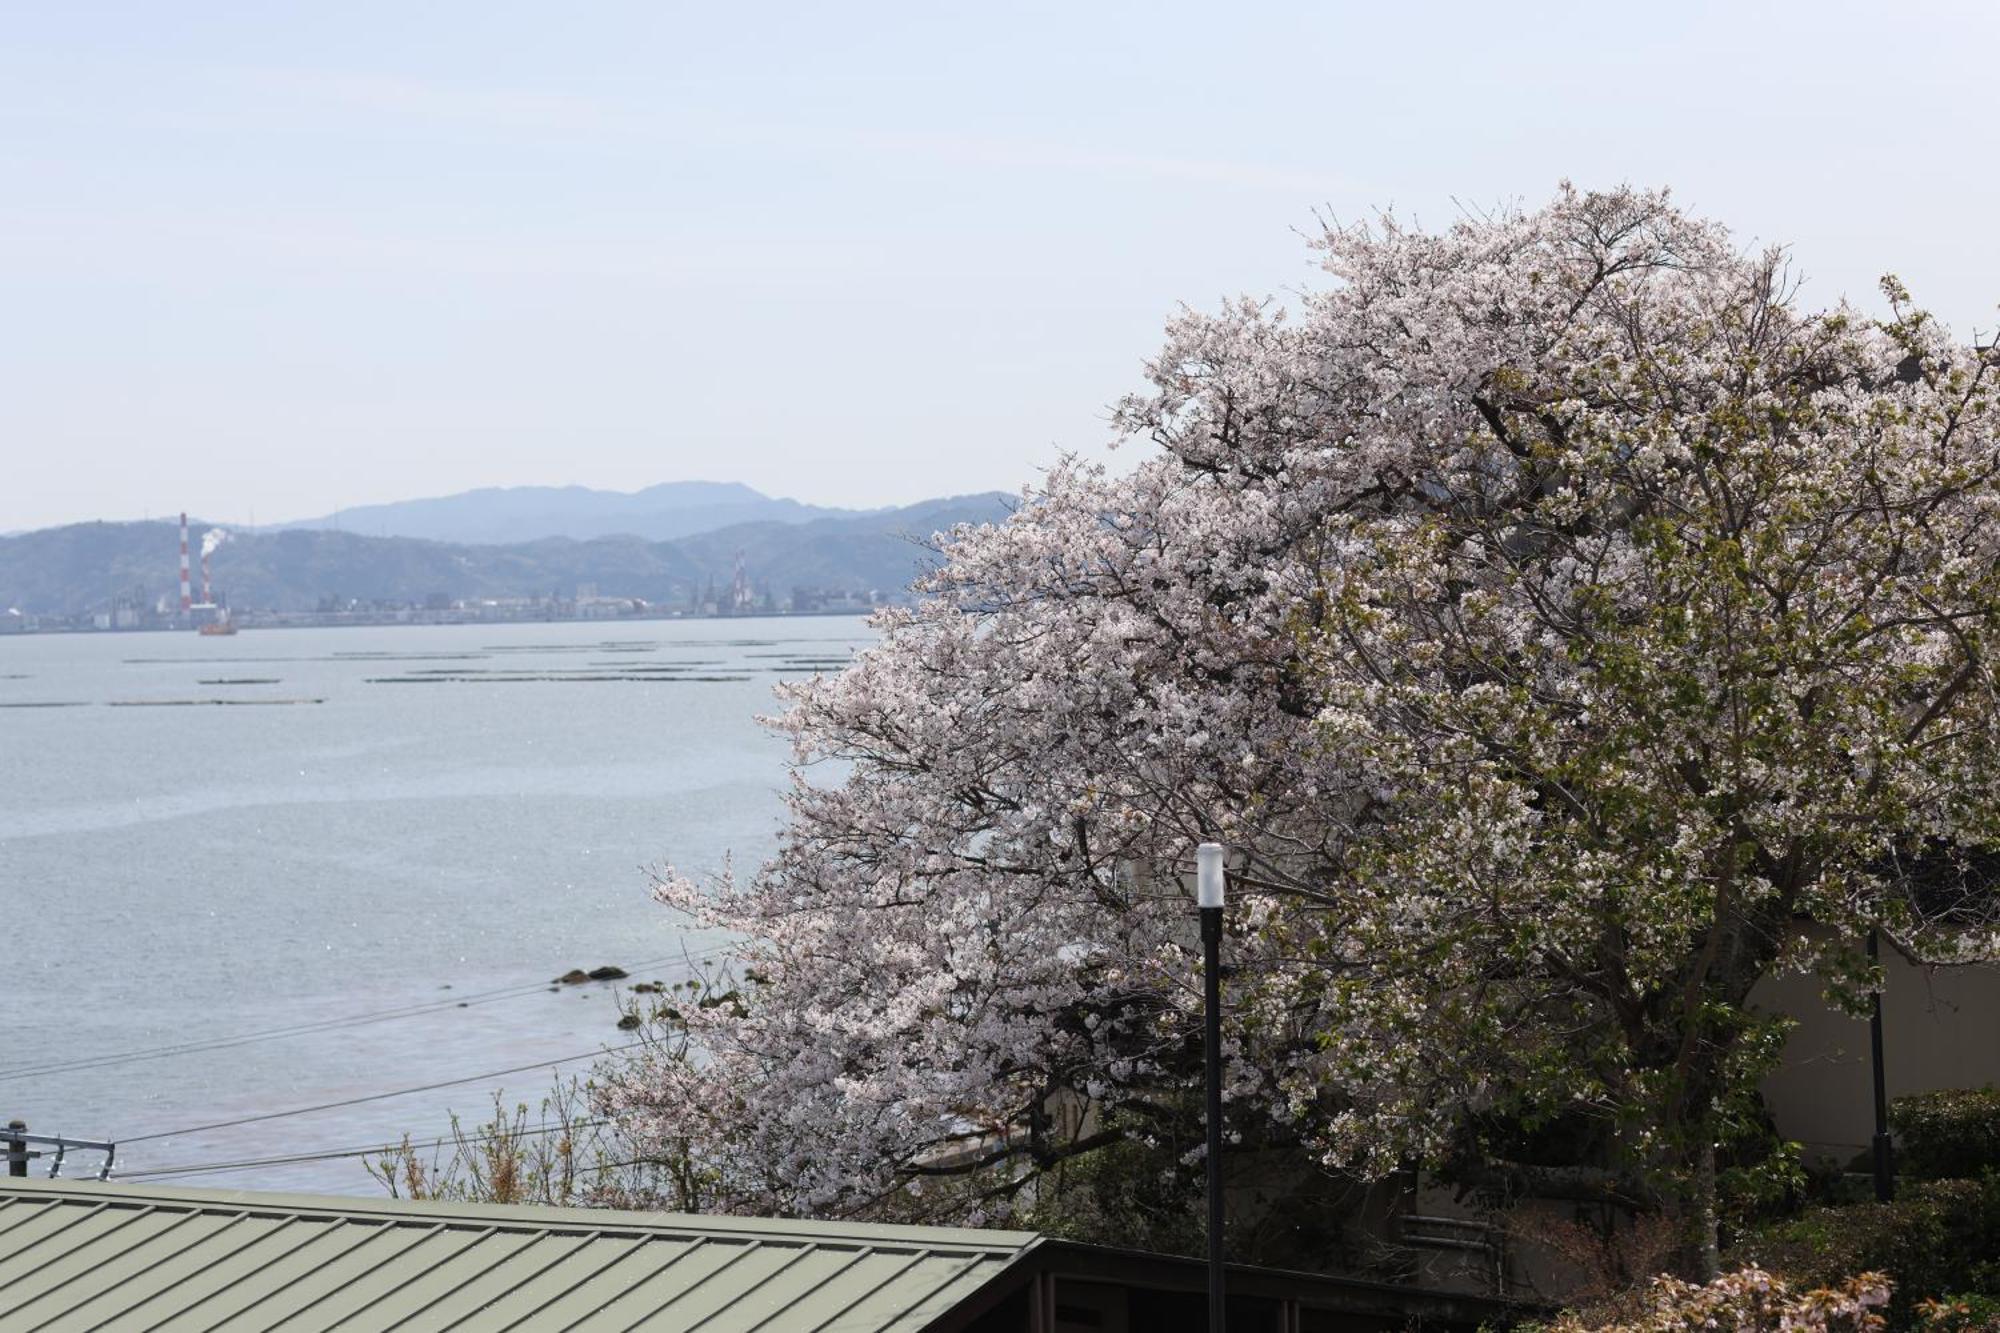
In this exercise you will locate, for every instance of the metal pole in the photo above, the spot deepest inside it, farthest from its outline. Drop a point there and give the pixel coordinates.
(1211, 947)
(1885, 1166)
(17, 1148)
(1210, 879)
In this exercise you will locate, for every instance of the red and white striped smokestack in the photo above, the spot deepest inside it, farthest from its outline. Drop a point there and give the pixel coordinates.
(187, 601)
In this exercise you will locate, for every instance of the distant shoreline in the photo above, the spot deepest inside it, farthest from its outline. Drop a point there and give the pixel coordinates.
(256, 620)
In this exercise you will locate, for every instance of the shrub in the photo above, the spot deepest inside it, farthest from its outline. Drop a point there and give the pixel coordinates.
(1747, 1301)
(1950, 1134)
(1960, 1314)
(1942, 1238)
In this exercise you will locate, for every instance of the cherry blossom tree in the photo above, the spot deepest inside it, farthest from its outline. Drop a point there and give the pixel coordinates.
(1565, 627)
(1668, 643)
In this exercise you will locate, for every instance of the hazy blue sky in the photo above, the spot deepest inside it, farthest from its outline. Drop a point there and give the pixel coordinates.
(288, 257)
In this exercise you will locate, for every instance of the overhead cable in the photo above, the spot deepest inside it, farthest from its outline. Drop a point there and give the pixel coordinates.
(377, 1096)
(316, 1026)
(333, 1154)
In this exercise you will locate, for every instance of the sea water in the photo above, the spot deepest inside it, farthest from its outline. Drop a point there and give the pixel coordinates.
(264, 836)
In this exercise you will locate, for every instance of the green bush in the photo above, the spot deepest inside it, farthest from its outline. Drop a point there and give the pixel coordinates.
(1942, 1238)
(1948, 1135)
(1960, 1314)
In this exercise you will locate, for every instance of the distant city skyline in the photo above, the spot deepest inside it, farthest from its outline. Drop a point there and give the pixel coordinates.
(284, 261)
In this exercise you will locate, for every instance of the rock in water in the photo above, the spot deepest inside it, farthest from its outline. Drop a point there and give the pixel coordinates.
(607, 973)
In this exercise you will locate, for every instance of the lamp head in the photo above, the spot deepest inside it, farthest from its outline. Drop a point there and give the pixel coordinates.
(1209, 874)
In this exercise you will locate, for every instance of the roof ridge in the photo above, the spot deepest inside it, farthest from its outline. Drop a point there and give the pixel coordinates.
(536, 1217)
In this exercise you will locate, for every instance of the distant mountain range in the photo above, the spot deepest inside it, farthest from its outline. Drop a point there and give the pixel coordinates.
(86, 566)
(501, 515)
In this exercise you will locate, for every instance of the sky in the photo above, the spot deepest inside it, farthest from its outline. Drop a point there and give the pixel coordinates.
(266, 260)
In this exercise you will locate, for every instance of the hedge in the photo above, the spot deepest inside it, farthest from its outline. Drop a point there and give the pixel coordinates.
(1949, 1135)
(1941, 1238)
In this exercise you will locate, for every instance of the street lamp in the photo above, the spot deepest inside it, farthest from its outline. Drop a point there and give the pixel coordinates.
(1885, 1163)
(1210, 877)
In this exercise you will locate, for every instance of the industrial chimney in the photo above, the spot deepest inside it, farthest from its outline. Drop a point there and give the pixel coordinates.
(187, 599)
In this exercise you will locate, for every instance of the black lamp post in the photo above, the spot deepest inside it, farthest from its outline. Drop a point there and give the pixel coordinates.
(1885, 1165)
(1209, 879)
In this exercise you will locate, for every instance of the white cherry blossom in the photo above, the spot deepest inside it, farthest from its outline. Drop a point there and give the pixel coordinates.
(1554, 615)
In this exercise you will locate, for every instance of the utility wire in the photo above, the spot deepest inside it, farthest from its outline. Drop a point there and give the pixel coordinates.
(377, 1096)
(317, 1026)
(268, 1034)
(428, 1006)
(332, 1154)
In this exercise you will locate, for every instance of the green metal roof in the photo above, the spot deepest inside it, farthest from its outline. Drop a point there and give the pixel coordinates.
(83, 1255)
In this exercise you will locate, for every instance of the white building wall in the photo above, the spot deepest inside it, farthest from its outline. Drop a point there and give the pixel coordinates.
(1940, 1029)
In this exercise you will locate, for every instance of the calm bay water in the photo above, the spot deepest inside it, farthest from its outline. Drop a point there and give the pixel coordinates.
(465, 812)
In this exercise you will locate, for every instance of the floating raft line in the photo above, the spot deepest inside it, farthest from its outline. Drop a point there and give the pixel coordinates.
(555, 678)
(400, 657)
(199, 703)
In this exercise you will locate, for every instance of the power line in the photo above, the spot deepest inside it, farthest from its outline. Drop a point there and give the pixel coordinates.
(377, 1096)
(316, 1026)
(334, 1154)
(267, 1034)
(302, 1029)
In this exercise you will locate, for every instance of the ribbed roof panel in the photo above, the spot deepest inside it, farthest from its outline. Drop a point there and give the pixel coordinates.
(116, 1257)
